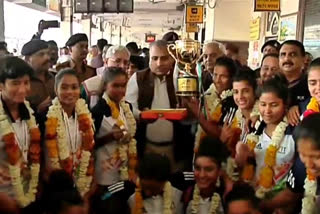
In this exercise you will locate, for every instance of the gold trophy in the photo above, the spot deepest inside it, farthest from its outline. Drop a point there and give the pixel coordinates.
(186, 52)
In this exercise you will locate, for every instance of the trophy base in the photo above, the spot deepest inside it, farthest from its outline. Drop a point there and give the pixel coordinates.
(187, 93)
(187, 86)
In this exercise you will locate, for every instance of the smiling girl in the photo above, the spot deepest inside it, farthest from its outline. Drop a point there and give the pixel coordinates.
(272, 146)
(19, 133)
(69, 131)
(116, 127)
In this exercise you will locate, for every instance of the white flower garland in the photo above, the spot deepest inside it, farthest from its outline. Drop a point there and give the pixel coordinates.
(126, 149)
(276, 141)
(23, 198)
(215, 202)
(82, 181)
(309, 200)
(255, 111)
(211, 101)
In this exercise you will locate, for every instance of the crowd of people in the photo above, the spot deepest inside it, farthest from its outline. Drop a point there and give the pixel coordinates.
(73, 140)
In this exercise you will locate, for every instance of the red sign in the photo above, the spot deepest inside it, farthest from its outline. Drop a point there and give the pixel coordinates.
(150, 38)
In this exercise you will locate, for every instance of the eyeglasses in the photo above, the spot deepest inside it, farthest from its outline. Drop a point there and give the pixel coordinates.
(119, 61)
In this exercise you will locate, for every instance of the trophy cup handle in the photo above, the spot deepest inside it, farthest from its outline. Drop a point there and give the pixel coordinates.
(172, 51)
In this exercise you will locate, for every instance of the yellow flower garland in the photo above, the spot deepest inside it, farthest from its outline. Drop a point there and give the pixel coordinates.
(127, 152)
(213, 106)
(57, 143)
(167, 200)
(267, 173)
(215, 201)
(313, 105)
(23, 198)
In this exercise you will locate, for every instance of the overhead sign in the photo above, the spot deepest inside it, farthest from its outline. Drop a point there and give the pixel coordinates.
(266, 5)
(255, 29)
(150, 38)
(194, 14)
(192, 27)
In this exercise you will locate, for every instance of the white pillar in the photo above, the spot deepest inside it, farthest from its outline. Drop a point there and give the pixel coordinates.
(1, 20)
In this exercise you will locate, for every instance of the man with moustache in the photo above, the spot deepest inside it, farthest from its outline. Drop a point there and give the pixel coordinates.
(78, 47)
(36, 53)
(291, 59)
(153, 88)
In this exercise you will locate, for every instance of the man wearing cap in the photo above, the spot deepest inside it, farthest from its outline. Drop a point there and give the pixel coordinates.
(78, 47)
(115, 56)
(36, 53)
(271, 46)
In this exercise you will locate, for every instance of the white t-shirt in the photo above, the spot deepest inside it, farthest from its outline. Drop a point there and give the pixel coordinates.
(204, 207)
(161, 130)
(104, 155)
(284, 157)
(154, 205)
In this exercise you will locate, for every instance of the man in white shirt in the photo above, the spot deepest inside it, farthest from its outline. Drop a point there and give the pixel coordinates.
(114, 56)
(153, 89)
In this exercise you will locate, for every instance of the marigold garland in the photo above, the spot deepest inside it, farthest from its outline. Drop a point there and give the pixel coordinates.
(213, 108)
(215, 201)
(127, 152)
(57, 143)
(313, 105)
(310, 188)
(267, 173)
(14, 156)
(249, 169)
(167, 200)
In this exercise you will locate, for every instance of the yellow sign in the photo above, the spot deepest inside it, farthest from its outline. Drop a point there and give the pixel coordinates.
(54, 5)
(194, 14)
(192, 27)
(267, 5)
(255, 29)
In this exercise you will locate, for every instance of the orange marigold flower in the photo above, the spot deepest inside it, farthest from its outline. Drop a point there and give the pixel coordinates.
(270, 158)
(248, 172)
(10, 139)
(52, 148)
(252, 144)
(84, 122)
(311, 176)
(34, 152)
(90, 169)
(13, 154)
(266, 177)
(217, 114)
(67, 165)
(51, 127)
(87, 140)
(35, 135)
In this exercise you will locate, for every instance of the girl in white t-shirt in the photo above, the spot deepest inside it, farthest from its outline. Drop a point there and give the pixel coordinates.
(115, 129)
(271, 147)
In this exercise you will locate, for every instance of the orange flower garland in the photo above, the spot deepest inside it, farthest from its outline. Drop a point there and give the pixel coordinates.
(267, 173)
(14, 156)
(57, 143)
(213, 108)
(313, 105)
(249, 169)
